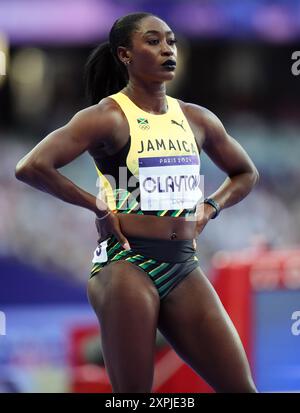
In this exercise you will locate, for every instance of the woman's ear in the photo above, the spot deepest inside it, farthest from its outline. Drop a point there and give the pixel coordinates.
(124, 55)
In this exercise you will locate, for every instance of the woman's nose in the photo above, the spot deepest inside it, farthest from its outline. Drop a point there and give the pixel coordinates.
(166, 49)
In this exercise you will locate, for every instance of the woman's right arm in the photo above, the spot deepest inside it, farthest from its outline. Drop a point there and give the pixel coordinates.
(39, 167)
(89, 127)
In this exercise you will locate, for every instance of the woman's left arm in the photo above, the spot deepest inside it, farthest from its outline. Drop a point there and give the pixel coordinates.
(229, 156)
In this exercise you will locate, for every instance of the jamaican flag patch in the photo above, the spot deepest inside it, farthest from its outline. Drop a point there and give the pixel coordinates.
(143, 123)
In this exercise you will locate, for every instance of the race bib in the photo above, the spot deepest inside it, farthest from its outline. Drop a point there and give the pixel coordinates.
(100, 253)
(169, 182)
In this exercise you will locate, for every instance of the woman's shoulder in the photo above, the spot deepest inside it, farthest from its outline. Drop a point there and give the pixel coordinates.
(107, 122)
(107, 109)
(103, 119)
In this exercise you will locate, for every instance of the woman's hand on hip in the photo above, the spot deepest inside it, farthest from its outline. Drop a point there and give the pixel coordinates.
(204, 213)
(108, 225)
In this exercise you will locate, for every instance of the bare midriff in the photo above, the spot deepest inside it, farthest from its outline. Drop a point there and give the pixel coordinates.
(148, 226)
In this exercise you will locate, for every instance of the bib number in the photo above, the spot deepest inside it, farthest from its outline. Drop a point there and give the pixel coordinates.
(100, 253)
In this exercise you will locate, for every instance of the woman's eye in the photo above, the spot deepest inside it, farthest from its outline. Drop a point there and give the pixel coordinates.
(156, 41)
(153, 41)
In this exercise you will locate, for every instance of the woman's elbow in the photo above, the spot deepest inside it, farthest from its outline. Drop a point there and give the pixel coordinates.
(26, 169)
(22, 170)
(252, 178)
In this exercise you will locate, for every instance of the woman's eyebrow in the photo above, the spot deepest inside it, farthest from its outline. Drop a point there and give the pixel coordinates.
(156, 32)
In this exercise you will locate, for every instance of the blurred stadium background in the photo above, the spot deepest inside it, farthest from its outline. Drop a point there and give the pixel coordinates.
(235, 59)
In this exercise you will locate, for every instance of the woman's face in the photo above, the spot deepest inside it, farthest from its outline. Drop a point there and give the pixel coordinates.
(153, 53)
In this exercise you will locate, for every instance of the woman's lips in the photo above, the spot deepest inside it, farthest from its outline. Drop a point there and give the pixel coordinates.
(169, 65)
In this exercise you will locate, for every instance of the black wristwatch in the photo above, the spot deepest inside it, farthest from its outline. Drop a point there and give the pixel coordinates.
(214, 204)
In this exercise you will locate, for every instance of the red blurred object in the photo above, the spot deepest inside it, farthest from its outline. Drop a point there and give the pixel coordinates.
(171, 375)
(238, 275)
(85, 378)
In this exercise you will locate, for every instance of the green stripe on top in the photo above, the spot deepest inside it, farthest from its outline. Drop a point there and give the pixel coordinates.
(162, 212)
(121, 197)
(121, 203)
(177, 213)
(132, 205)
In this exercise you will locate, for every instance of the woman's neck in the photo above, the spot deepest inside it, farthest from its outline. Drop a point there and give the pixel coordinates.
(150, 98)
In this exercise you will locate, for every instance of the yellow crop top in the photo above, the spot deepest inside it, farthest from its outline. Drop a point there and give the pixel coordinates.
(157, 172)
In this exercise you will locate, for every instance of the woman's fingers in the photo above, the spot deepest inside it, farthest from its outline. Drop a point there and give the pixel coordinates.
(119, 235)
(123, 240)
(111, 225)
